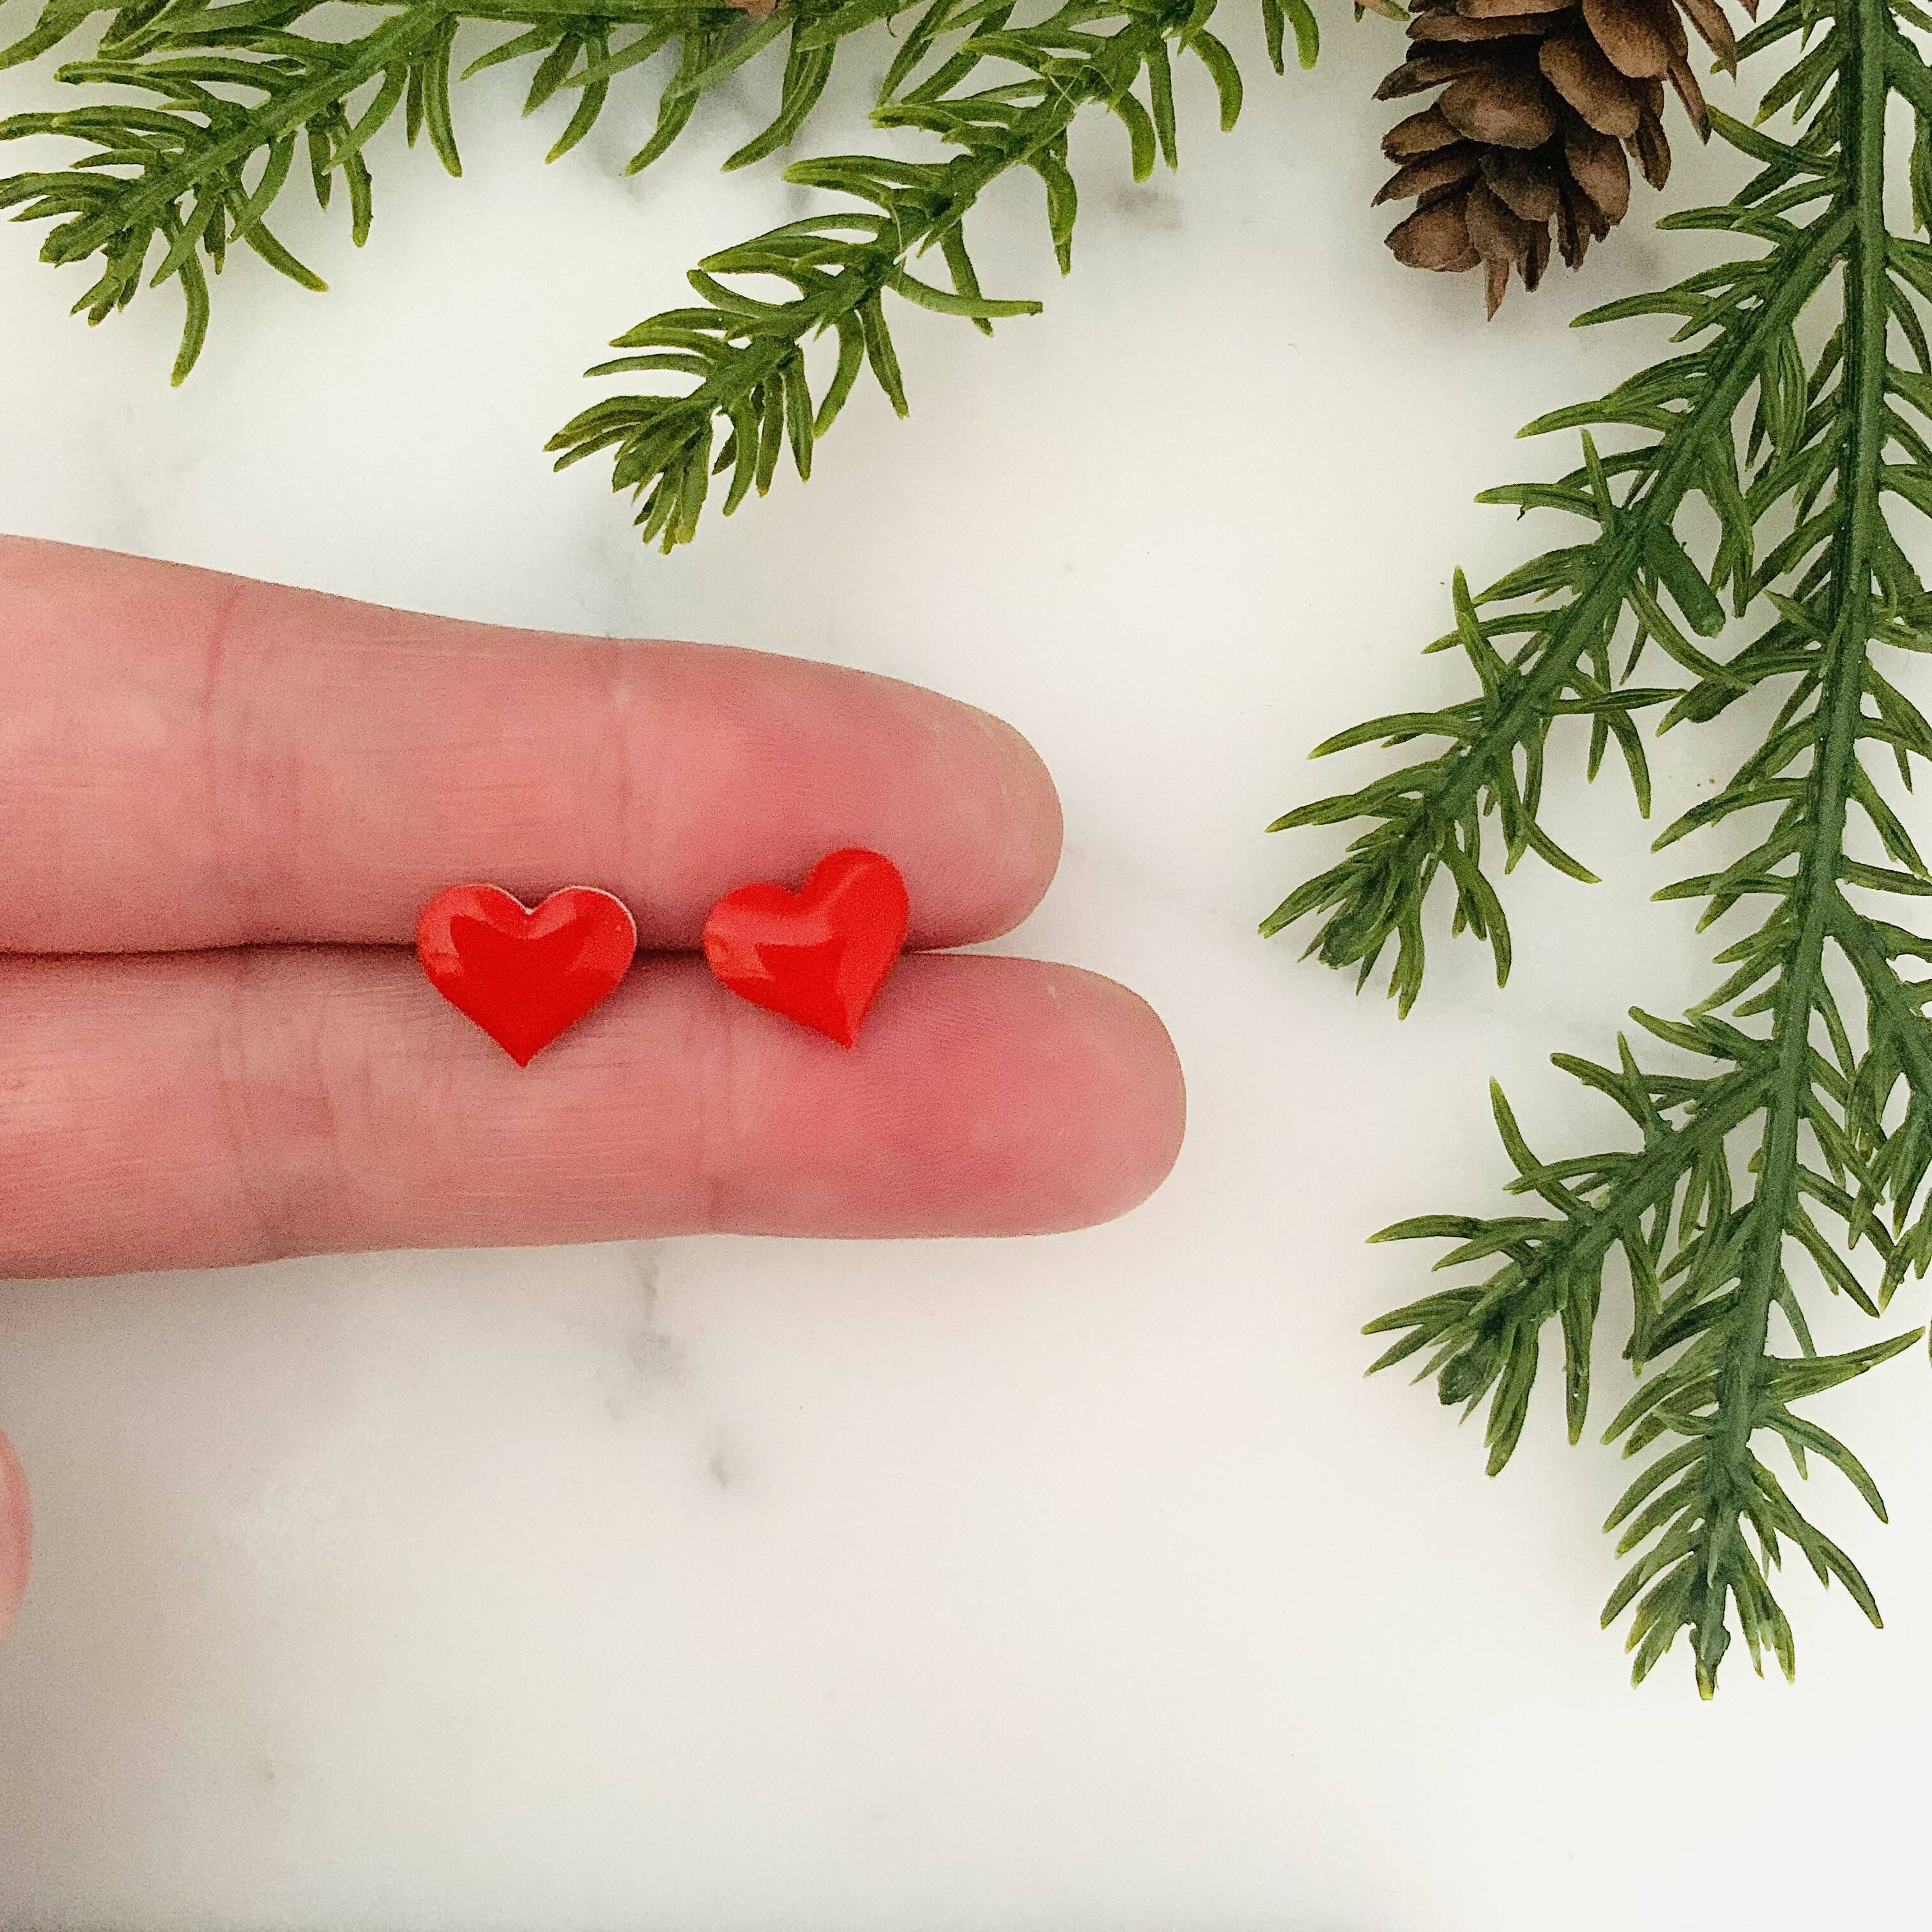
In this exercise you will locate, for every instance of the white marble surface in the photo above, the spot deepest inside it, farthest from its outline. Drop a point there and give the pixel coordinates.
(1078, 1581)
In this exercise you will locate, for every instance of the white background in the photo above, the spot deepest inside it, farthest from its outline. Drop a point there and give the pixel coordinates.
(1069, 1582)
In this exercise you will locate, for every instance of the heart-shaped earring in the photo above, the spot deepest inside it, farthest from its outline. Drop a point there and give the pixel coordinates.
(524, 975)
(819, 955)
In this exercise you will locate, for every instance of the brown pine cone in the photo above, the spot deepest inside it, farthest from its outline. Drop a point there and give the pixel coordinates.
(1540, 101)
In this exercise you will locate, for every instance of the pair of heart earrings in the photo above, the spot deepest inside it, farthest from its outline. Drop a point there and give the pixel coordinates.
(817, 956)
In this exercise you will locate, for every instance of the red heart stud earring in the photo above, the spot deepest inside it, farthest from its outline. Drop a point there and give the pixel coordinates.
(524, 975)
(817, 956)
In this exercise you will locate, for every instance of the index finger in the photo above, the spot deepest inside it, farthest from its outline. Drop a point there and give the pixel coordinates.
(191, 760)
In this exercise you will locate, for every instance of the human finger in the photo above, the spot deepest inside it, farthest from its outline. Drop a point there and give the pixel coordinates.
(189, 760)
(323, 1099)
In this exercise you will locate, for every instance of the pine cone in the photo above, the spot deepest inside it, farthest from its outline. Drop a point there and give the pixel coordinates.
(1543, 99)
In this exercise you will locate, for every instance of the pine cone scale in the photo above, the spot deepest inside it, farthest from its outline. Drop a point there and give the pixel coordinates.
(1430, 69)
(1597, 165)
(1692, 96)
(1578, 70)
(1483, 10)
(1436, 236)
(1523, 184)
(1714, 30)
(1652, 151)
(1505, 110)
(1420, 134)
(1627, 33)
(1434, 29)
(1447, 167)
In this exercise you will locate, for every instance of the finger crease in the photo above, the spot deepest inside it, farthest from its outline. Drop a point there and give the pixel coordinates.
(278, 1108)
(714, 1050)
(252, 808)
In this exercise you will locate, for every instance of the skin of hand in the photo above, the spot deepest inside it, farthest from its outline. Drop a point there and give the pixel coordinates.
(223, 804)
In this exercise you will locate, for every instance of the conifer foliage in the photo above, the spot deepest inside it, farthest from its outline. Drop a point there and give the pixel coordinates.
(1784, 1151)
(198, 118)
(748, 352)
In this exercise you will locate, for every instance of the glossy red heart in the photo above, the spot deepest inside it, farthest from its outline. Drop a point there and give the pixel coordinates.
(818, 955)
(524, 976)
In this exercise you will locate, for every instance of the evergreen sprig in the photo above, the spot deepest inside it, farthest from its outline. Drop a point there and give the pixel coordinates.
(209, 110)
(747, 354)
(1805, 1138)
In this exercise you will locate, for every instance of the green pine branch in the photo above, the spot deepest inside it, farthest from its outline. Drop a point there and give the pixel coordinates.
(1807, 1141)
(1568, 604)
(206, 111)
(747, 355)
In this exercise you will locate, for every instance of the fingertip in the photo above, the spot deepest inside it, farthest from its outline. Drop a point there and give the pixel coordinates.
(1062, 1106)
(988, 1096)
(16, 1533)
(1029, 809)
(1136, 1116)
